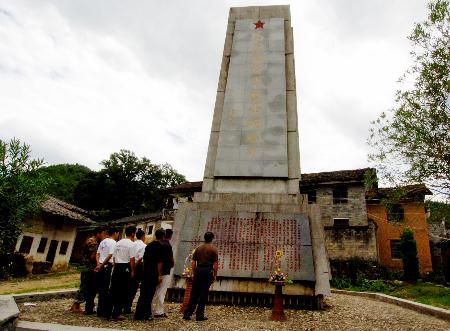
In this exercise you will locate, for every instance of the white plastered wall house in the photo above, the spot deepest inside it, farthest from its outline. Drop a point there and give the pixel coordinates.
(48, 238)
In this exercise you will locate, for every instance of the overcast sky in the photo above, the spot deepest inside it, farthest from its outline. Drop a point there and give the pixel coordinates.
(82, 79)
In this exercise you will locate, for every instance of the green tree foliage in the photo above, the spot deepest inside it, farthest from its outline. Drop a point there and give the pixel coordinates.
(126, 185)
(22, 190)
(408, 250)
(65, 179)
(412, 142)
(439, 211)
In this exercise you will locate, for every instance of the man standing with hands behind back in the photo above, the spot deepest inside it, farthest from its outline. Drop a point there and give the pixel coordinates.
(124, 259)
(104, 266)
(204, 267)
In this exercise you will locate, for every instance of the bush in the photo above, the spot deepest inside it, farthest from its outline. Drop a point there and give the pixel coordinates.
(341, 282)
(12, 265)
(350, 268)
(361, 283)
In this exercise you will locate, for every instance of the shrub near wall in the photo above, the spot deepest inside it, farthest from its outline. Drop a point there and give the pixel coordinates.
(351, 268)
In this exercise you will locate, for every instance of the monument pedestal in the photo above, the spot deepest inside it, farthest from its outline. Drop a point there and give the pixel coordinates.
(249, 228)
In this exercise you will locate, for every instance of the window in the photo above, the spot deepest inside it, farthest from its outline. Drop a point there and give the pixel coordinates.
(42, 245)
(311, 195)
(340, 195)
(150, 229)
(394, 212)
(25, 245)
(63, 248)
(395, 249)
(341, 222)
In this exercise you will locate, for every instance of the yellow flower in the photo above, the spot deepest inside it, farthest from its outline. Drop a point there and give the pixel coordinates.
(278, 253)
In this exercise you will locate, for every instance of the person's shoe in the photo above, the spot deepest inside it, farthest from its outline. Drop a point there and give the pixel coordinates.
(187, 317)
(160, 315)
(143, 318)
(75, 308)
(127, 311)
(118, 318)
(90, 312)
(201, 318)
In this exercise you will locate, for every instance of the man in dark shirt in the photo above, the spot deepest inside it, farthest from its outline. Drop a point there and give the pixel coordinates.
(204, 266)
(153, 264)
(168, 264)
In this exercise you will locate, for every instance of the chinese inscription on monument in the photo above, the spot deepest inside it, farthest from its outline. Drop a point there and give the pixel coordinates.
(253, 130)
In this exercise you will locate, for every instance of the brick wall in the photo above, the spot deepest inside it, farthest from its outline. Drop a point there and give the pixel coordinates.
(354, 241)
(415, 219)
(354, 209)
(358, 239)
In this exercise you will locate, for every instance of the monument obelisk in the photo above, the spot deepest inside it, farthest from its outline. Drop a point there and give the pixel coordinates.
(250, 197)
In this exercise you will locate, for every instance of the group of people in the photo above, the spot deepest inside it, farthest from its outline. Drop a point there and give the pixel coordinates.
(115, 269)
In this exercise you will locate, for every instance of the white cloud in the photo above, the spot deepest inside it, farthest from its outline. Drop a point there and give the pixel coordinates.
(82, 79)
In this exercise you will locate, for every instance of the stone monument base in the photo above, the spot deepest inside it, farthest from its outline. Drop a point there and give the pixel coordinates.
(176, 294)
(249, 228)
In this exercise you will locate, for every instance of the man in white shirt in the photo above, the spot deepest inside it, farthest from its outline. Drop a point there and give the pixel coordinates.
(138, 269)
(103, 269)
(124, 262)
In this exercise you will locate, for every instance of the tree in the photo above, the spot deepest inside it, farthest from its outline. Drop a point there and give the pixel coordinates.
(408, 250)
(22, 190)
(439, 212)
(126, 185)
(65, 179)
(412, 142)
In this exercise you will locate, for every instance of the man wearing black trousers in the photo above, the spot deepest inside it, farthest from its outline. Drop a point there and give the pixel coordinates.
(138, 269)
(124, 258)
(103, 269)
(153, 263)
(204, 266)
(88, 282)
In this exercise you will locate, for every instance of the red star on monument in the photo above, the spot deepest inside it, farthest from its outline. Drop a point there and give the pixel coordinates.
(259, 25)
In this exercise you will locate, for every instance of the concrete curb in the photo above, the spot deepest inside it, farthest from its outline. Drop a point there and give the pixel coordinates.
(9, 312)
(28, 326)
(44, 296)
(419, 307)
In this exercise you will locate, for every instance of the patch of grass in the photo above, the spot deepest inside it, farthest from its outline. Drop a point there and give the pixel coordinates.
(426, 293)
(41, 283)
(67, 285)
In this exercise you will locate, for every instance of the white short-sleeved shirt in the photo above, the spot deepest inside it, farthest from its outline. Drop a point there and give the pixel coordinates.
(140, 249)
(105, 248)
(124, 251)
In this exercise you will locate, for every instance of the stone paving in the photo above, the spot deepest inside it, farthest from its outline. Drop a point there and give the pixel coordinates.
(344, 313)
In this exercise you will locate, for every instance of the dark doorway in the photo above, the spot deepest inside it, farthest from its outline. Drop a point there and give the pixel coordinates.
(52, 251)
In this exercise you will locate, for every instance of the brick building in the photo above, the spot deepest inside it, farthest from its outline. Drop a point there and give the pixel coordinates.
(341, 198)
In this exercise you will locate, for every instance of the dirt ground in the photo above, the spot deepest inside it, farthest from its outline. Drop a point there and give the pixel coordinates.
(41, 283)
(345, 313)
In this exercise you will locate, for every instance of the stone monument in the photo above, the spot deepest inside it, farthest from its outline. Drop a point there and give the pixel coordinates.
(250, 197)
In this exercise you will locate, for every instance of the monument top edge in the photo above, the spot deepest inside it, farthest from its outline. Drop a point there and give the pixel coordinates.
(256, 12)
